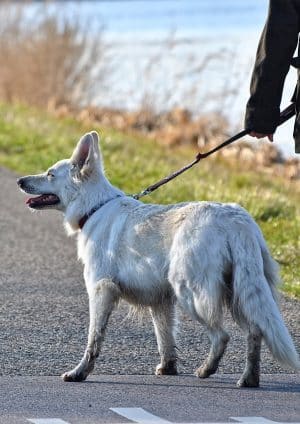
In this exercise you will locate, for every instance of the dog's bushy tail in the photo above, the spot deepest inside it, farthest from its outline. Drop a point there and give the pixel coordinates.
(255, 276)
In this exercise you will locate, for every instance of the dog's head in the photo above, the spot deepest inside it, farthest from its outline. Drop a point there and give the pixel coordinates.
(63, 182)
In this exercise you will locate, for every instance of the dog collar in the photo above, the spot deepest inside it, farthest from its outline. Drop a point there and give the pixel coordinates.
(85, 217)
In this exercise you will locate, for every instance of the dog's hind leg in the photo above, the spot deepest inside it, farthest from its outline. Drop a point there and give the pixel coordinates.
(208, 308)
(164, 320)
(250, 377)
(219, 339)
(102, 298)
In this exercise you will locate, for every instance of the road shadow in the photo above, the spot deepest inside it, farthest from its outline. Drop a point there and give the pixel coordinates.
(183, 382)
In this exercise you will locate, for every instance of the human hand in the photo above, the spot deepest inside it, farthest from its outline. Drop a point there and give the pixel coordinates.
(259, 135)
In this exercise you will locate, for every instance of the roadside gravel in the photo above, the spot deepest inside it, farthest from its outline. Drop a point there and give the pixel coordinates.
(44, 307)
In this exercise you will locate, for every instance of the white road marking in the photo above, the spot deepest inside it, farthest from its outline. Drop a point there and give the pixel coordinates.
(254, 420)
(47, 421)
(140, 416)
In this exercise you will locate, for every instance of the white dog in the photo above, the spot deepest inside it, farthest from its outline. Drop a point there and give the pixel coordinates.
(203, 255)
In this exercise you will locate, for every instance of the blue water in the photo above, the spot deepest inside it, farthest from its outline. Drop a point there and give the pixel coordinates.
(183, 15)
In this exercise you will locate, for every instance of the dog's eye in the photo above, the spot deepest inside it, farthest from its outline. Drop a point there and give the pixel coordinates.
(50, 174)
(73, 169)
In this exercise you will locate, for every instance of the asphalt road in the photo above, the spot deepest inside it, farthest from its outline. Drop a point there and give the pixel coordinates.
(173, 399)
(44, 313)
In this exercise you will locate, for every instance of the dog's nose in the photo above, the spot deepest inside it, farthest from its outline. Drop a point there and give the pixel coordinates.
(20, 182)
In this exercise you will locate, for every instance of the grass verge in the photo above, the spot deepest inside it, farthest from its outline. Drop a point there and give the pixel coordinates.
(31, 140)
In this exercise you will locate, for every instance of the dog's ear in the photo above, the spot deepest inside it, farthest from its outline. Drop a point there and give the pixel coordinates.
(86, 157)
(97, 150)
(96, 140)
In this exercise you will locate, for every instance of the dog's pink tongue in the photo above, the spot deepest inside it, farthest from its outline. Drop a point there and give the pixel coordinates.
(33, 200)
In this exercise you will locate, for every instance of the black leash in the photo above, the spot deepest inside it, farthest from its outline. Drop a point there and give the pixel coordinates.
(285, 115)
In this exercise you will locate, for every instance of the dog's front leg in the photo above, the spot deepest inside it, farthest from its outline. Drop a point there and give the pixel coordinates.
(102, 298)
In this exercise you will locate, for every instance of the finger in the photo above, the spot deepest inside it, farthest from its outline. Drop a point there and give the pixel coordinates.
(255, 134)
(260, 135)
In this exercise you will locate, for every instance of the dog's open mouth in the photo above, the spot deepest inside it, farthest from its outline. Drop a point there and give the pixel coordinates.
(42, 201)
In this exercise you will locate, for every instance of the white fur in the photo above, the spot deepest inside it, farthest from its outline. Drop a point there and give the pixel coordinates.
(204, 255)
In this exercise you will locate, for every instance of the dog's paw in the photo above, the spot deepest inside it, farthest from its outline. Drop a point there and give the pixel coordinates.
(73, 376)
(248, 381)
(204, 372)
(169, 369)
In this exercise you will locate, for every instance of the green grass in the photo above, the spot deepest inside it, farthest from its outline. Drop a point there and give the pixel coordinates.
(31, 140)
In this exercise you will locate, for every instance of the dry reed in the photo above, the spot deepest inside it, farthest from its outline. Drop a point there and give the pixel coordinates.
(46, 58)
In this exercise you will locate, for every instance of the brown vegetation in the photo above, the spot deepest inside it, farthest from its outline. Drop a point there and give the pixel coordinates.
(179, 127)
(45, 59)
